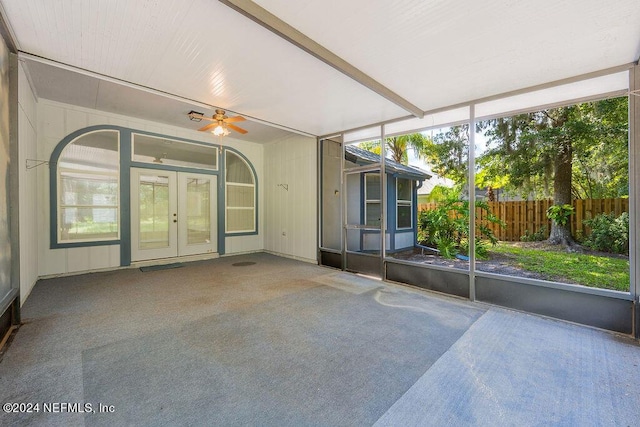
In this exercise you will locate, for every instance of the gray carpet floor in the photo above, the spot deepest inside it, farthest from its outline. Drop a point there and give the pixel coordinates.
(283, 342)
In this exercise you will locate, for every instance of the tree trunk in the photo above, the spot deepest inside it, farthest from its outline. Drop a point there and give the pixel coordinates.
(561, 234)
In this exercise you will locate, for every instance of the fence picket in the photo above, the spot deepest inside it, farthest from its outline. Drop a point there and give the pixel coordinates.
(529, 216)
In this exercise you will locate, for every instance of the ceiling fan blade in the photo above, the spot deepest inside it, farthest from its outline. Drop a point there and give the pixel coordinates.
(207, 127)
(236, 128)
(235, 119)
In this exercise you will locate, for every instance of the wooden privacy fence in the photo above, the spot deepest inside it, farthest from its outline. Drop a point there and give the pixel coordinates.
(529, 216)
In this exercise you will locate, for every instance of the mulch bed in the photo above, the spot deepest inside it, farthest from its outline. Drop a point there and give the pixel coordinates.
(498, 263)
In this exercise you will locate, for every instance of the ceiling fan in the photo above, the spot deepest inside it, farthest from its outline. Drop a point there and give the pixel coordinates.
(221, 123)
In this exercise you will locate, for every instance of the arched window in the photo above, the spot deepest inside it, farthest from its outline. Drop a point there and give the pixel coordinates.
(88, 188)
(240, 195)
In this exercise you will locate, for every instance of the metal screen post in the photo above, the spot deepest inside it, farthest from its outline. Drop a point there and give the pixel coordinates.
(472, 202)
(383, 200)
(634, 193)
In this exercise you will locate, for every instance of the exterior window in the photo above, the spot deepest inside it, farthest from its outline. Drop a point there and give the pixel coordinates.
(171, 152)
(240, 197)
(372, 205)
(404, 208)
(88, 188)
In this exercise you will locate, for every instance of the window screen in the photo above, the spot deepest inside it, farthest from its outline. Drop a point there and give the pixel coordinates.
(240, 197)
(404, 208)
(88, 188)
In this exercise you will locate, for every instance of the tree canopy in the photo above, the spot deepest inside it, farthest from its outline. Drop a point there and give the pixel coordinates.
(577, 151)
(591, 138)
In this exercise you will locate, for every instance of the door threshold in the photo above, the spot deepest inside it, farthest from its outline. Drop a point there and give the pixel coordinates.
(185, 258)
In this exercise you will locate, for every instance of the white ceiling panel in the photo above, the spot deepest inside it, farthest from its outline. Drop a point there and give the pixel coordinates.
(200, 50)
(90, 92)
(433, 53)
(438, 53)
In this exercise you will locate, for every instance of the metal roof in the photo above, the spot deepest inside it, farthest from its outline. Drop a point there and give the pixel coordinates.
(365, 156)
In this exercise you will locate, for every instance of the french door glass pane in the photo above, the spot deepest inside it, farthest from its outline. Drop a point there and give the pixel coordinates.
(154, 212)
(198, 211)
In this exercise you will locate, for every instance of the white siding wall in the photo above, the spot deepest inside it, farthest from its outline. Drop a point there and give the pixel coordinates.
(291, 220)
(57, 120)
(28, 185)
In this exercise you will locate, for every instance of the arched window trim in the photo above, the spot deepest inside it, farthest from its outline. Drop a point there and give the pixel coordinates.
(254, 176)
(55, 190)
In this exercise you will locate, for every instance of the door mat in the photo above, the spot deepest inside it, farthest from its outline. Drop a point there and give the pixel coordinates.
(162, 267)
(243, 264)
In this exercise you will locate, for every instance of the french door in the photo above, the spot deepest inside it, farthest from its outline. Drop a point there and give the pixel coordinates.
(172, 214)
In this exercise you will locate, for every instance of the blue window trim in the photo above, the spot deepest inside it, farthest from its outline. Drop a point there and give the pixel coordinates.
(413, 218)
(223, 168)
(126, 163)
(53, 189)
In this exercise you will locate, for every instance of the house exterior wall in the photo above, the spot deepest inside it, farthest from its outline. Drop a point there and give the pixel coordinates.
(367, 240)
(57, 120)
(28, 184)
(291, 198)
(404, 240)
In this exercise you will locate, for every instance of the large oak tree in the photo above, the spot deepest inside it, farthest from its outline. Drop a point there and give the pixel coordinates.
(545, 150)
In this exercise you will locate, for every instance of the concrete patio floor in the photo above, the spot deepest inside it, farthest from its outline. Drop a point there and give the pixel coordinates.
(282, 342)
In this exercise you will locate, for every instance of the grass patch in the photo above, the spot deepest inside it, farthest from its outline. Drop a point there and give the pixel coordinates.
(561, 266)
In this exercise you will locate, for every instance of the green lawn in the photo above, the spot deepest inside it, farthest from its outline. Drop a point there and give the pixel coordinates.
(561, 266)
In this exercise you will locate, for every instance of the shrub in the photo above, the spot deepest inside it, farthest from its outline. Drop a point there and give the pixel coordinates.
(447, 247)
(538, 236)
(447, 227)
(608, 233)
(560, 213)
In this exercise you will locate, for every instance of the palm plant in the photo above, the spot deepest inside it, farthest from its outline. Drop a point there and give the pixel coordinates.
(399, 146)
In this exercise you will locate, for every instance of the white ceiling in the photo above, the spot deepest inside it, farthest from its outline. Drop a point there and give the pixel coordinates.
(433, 53)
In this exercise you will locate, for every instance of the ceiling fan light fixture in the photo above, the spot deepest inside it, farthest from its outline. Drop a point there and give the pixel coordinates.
(220, 130)
(221, 125)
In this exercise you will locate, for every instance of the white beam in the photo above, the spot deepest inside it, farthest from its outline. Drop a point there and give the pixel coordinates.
(274, 24)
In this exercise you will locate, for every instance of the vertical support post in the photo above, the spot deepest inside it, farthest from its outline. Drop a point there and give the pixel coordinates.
(472, 202)
(634, 193)
(343, 203)
(14, 175)
(383, 201)
(319, 198)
